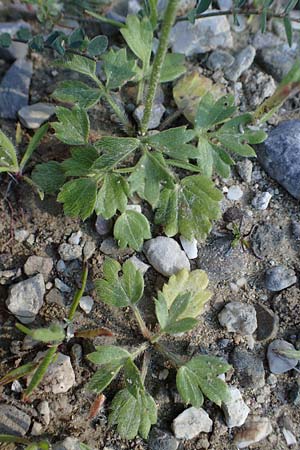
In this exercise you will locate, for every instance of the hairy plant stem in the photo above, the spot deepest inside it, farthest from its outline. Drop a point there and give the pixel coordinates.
(141, 349)
(142, 325)
(79, 293)
(169, 19)
(170, 356)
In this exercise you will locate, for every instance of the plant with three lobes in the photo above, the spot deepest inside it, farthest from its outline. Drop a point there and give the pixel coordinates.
(177, 306)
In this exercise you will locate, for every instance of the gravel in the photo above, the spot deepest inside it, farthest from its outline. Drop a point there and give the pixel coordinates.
(68, 252)
(234, 193)
(249, 369)
(166, 256)
(103, 226)
(67, 444)
(243, 61)
(235, 410)
(191, 422)
(190, 247)
(25, 298)
(219, 59)
(38, 264)
(261, 201)
(277, 363)
(157, 112)
(44, 412)
(238, 318)
(255, 430)
(267, 323)
(162, 440)
(86, 304)
(279, 277)
(13, 420)
(245, 168)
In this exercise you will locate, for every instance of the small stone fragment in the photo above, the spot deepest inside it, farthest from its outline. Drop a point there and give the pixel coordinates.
(60, 376)
(60, 266)
(75, 238)
(278, 59)
(13, 420)
(44, 411)
(166, 256)
(242, 62)
(234, 193)
(68, 252)
(248, 368)
(16, 386)
(267, 323)
(89, 249)
(191, 422)
(162, 440)
(34, 116)
(219, 59)
(279, 363)
(67, 444)
(236, 411)
(86, 303)
(38, 264)
(190, 247)
(244, 169)
(21, 235)
(61, 286)
(256, 429)
(279, 277)
(25, 298)
(139, 264)
(289, 437)
(261, 201)
(157, 112)
(238, 318)
(103, 226)
(110, 247)
(37, 429)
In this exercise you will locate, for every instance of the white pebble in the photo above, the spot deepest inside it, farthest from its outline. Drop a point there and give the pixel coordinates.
(261, 201)
(190, 247)
(86, 303)
(234, 193)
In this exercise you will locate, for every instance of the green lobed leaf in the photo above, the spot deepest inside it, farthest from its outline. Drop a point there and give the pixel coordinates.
(212, 157)
(49, 177)
(81, 161)
(138, 35)
(148, 414)
(188, 387)
(181, 326)
(149, 175)
(79, 64)
(161, 310)
(76, 38)
(5, 40)
(113, 151)
(211, 112)
(129, 418)
(112, 196)
(37, 43)
(24, 34)
(73, 127)
(130, 229)
(170, 140)
(97, 46)
(78, 93)
(118, 68)
(78, 197)
(133, 379)
(8, 157)
(107, 354)
(173, 67)
(104, 376)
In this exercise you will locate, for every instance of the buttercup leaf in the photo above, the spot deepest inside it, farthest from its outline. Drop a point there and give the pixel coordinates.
(77, 92)
(49, 177)
(78, 197)
(130, 229)
(73, 126)
(112, 196)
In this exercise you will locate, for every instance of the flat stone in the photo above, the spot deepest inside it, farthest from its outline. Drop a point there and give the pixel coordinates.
(191, 422)
(278, 363)
(265, 40)
(278, 59)
(267, 323)
(61, 286)
(14, 88)
(157, 112)
(238, 318)
(255, 430)
(110, 247)
(202, 36)
(280, 156)
(16, 50)
(266, 240)
(86, 304)
(60, 376)
(279, 277)
(140, 265)
(234, 193)
(25, 298)
(162, 440)
(68, 252)
(219, 59)
(38, 264)
(248, 368)
(13, 420)
(75, 238)
(190, 247)
(166, 256)
(44, 412)
(89, 249)
(34, 116)
(242, 62)
(261, 201)
(235, 410)
(103, 226)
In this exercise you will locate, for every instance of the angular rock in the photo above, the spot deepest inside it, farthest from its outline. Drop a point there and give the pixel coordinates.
(68, 252)
(110, 247)
(139, 264)
(205, 35)
(14, 88)
(235, 410)
(279, 277)
(38, 264)
(44, 412)
(219, 59)
(244, 169)
(60, 376)
(261, 201)
(248, 368)
(256, 429)
(238, 318)
(67, 444)
(264, 40)
(86, 303)
(267, 323)
(166, 256)
(103, 226)
(234, 193)
(266, 240)
(25, 298)
(190, 247)
(191, 422)
(162, 440)
(278, 363)
(157, 112)
(34, 116)
(89, 249)
(13, 420)
(75, 238)
(278, 60)
(242, 62)
(61, 286)
(280, 156)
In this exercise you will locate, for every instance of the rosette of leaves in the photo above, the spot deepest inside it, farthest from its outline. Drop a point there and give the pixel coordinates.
(133, 410)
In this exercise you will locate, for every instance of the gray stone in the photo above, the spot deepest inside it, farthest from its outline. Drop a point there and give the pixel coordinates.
(110, 247)
(235, 410)
(61, 286)
(244, 169)
(21, 235)
(280, 156)
(248, 368)
(75, 238)
(255, 430)
(60, 376)
(205, 35)
(140, 265)
(295, 229)
(191, 422)
(225, 4)
(14, 88)
(86, 303)
(61, 266)
(234, 193)
(54, 296)
(267, 323)
(68, 252)
(278, 363)
(219, 59)
(44, 412)
(162, 440)
(13, 420)
(242, 62)
(67, 444)
(37, 429)
(34, 116)
(278, 60)
(166, 256)
(261, 201)
(89, 249)
(25, 298)
(17, 50)
(266, 240)
(38, 264)
(190, 247)
(265, 40)
(278, 278)
(238, 318)
(103, 226)
(157, 112)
